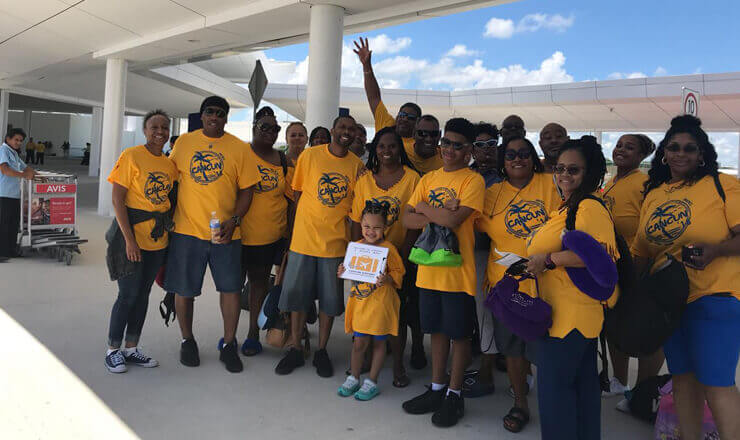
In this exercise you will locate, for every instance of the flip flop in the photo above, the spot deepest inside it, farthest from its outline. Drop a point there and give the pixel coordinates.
(516, 420)
(401, 381)
(251, 347)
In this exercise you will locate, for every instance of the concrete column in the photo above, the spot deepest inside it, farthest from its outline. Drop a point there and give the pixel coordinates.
(175, 129)
(27, 122)
(4, 101)
(324, 65)
(110, 145)
(96, 132)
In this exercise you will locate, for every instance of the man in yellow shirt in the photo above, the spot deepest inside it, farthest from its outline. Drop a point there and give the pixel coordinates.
(216, 185)
(40, 150)
(424, 155)
(323, 185)
(446, 294)
(30, 151)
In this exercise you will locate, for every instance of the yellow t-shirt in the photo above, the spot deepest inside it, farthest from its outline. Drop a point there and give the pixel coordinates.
(148, 179)
(374, 310)
(267, 219)
(397, 197)
(211, 172)
(326, 183)
(571, 308)
(510, 215)
(676, 215)
(384, 119)
(40, 147)
(435, 189)
(624, 199)
(30, 146)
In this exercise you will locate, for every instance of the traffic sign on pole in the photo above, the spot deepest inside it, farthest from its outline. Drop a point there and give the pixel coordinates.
(690, 101)
(257, 85)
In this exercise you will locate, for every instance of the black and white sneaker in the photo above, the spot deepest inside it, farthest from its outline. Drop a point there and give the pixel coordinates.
(115, 362)
(136, 357)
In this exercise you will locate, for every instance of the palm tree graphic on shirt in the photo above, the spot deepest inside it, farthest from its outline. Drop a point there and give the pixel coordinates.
(206, 166)
(332, 188)
(666, 215)
(524, 214)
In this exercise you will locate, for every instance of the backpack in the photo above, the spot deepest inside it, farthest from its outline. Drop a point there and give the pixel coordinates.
(644, 398)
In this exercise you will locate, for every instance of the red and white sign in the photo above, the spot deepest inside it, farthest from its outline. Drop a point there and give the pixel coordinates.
(690, 100)
(55, 188)
(62, 210)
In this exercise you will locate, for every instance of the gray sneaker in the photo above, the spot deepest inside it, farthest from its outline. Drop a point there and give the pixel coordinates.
(115, 362)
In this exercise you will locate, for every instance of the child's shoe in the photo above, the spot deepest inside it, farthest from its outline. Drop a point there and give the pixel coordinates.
(368, 391)
(349, 387)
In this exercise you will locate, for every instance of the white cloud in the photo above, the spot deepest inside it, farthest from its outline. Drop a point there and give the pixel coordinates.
(620, 75)
(660, 71)
(505, 28)
(383, 44)
(461, 50)
(499, 28)
(726, 145)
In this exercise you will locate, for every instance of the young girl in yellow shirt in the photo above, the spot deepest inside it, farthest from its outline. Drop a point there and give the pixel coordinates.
(372, 309)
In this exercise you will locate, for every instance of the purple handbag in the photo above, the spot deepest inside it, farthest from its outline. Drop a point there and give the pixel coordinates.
(527, 317)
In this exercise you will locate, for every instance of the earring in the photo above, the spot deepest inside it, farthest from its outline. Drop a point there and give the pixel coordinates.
(702, 163)
(663, 161)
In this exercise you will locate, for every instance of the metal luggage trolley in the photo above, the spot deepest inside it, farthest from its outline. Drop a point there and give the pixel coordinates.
(49, 216)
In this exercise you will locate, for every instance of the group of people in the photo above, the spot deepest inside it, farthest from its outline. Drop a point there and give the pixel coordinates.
(244, 208)
(35, 151)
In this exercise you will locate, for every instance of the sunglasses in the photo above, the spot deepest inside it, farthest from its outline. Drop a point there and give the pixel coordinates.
(513, 154)
(409, 116)
(219, 112)
(571, 170)
(446, 143)
(266, 128)
(486, 144)
(687, 149)
(428, 133)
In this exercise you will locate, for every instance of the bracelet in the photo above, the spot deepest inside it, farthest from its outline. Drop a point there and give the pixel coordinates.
(549, 264)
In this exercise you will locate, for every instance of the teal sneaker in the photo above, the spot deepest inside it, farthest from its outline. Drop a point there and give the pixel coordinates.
(349, 387)
(368, 391)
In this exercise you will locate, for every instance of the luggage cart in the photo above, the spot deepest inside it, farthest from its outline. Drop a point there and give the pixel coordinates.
(49, 216)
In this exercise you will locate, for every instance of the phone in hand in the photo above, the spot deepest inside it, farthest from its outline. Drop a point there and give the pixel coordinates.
(689, 252)
(518, 268)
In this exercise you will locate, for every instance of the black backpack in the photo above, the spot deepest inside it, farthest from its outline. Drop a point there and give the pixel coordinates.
(645, 397)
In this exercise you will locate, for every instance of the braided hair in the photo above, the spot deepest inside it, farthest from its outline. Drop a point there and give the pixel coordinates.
(373, 163)
(593, 172)
(377, 208)
(660, 172)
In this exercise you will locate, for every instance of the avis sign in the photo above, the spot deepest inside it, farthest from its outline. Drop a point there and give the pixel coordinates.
(47, 188)
(690, 100)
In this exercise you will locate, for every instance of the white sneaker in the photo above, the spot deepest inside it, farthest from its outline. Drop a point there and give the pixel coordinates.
(615, 388)
(114, 362)
(624, 406)
(136, 357)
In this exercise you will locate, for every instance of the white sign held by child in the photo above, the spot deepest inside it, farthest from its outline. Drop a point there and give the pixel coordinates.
(364, 262)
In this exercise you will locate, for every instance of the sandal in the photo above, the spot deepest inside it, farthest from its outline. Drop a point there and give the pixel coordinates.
(251, 347)
(516, 419)
(401, 381)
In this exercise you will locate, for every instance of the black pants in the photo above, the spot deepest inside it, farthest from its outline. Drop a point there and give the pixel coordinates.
(10, 211)
(29, 156)
(40, 158)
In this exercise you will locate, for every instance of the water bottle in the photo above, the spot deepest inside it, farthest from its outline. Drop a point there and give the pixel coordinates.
(215, 225)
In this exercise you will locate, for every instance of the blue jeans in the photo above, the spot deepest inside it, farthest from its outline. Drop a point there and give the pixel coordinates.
(568, 390)
(129, 310)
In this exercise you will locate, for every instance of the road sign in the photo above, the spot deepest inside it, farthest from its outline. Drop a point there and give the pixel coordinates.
(257, 84)
(690, 101)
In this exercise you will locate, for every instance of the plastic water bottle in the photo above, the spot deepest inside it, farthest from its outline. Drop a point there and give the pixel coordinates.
(215, 225)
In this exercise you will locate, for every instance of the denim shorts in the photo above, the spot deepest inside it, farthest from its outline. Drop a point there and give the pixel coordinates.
(187, 260)
(707, 342)
(308, 278)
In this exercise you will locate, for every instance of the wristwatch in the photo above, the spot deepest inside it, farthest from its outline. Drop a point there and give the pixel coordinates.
(237, 220)
(549, 265)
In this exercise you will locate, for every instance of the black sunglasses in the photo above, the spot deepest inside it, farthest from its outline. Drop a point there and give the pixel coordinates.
(266, 128)
(428, 133)
(486, 144)
(571, 170)
(445, 143)
(688, 149)
(409, 116)
(219, 112)
(522, 154)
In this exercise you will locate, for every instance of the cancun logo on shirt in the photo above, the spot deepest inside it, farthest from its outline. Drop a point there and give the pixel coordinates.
(206, 166)
(524, 217)
(332, 188)
(609, 201)
(438, 196)
(394, 207)
(268, 179)
(668, 221)
(156, 187)
(362, 290)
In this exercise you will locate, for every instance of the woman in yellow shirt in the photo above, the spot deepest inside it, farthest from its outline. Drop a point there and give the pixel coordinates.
(567, 376)
(684, 211)
(142, 180)
(513, 209)
(296, 137)
(391, 182)
(623, 196)
(264, 227)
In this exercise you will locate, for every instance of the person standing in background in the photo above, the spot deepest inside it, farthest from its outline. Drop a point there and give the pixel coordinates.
(359, 146)
(86, 155)
(552, 138)
(40, 150)
(30, 151)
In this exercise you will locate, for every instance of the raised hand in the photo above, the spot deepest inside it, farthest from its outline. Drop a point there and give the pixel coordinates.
(363, 51)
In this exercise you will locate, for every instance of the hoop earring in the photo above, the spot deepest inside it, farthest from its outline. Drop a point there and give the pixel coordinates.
(663, 161)
(702, 163)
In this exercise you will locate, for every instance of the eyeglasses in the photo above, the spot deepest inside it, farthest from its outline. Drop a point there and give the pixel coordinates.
(428, 133)
(446, 143)
(219, 112)
(266, 128)
(513, 154)
(409, 116)
(571, 170)
(687, 149)
(486, 144)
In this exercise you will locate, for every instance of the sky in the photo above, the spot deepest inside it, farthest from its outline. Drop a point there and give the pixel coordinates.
(542, 42)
